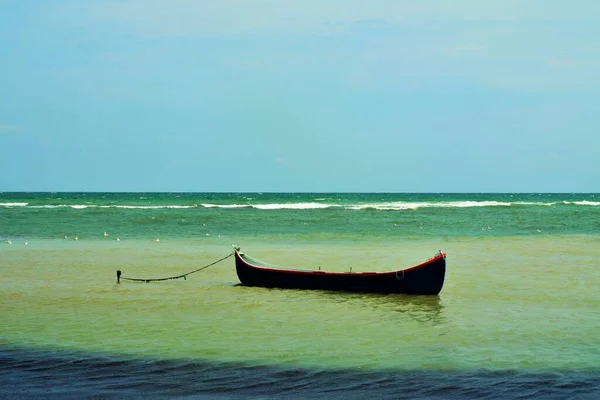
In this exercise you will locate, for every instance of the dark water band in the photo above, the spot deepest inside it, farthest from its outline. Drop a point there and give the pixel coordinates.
(39, 374)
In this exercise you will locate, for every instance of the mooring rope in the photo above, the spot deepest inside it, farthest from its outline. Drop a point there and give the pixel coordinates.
(119, 277)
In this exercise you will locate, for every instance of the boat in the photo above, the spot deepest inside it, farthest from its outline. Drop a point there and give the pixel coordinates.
(426, 278)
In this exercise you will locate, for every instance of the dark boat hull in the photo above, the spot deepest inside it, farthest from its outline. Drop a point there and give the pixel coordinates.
(424, 279)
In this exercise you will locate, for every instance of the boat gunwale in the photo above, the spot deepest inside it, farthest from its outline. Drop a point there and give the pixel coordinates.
(240, 256)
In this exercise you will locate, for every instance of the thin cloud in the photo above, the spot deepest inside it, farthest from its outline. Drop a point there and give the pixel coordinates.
(470, 48)
(233, 17)
(562, 62)
(6, 129)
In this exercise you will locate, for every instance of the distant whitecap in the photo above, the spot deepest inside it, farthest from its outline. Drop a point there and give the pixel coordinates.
(291, 206)
(13, 204)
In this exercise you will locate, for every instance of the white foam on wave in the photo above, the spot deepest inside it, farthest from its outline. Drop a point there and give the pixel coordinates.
(13, 204)
(583, 203)
(387, 206)
(291, 206)
(225, 205)
(273, 206)
(147, 207)
(533, 203)
(384, 206)
(401, 205)
(75, 206)
(83, 206)
(462, 204)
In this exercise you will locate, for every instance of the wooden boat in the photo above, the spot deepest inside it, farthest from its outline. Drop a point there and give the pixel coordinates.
(424, 279)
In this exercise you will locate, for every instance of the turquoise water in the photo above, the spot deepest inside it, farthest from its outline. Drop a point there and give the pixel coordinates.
(327, 216)
(521, 291)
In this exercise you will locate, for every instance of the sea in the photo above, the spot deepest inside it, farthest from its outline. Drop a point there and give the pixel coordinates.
(518, 316)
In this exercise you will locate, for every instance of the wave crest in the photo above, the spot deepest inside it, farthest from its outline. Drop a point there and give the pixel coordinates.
(401, 205)
(382, 206)
(292, 206)
(225, 205)
(583, 203)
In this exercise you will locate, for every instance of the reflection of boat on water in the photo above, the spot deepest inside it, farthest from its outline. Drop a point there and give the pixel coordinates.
(420, 308)
(402, 302)
(392, 306)
(426, 278)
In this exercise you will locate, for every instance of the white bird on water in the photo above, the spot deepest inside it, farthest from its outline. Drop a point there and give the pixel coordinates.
(76, 237)
(118, 240)
(105, 234)
(157, 240)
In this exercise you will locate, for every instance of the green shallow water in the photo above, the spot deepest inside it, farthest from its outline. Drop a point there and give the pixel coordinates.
(509, 302)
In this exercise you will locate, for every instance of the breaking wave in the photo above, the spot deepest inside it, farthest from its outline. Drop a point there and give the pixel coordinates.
(226, 205)
(382, 206)
(292, 206)
(400, 205)
(583, 203)
(84, 206)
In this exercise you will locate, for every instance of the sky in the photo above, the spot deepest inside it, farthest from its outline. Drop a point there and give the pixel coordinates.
(300, 95)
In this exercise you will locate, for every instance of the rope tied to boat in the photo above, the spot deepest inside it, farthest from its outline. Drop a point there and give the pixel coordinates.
(184, 276)
(441, 253)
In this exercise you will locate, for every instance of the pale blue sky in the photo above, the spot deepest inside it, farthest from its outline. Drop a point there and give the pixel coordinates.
(327, 95)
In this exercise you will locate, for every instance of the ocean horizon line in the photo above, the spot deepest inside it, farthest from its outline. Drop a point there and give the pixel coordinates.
(295, 192)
